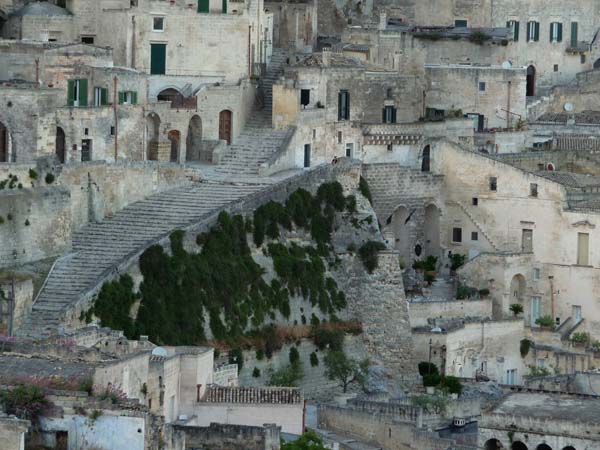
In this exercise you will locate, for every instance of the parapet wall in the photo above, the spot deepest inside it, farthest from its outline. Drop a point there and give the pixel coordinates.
(223, 437)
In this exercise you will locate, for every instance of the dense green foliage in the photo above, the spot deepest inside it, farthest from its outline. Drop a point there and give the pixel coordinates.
(308, 441)
(369, 254)
(314, 359)
(24, 401)
(294, 356)
(287, 376)
(545, 321)
(428, 264)
(222, 281)
(345, 370)
(426, 368)
(452, 385)
(457, 260)
(364, 189)
(524, 347)
(516, 309)
(432, 380)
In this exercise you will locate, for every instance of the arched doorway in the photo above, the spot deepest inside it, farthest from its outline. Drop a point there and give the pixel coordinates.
(225, 125)
(193, 141)
(518, 446)
(174, 137)
(597, 64)
(550, 167)
(570, 447)
(152, 133)
(60, 145)
(517, 288)
(432, 231)
(4, 144)
(530, 81)
(400, 227)
(171, 95)
(492, 444)
(543, 447)
(426, 161)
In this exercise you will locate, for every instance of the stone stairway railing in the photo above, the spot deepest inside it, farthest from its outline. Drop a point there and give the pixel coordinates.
(477, 224)
(282, 159)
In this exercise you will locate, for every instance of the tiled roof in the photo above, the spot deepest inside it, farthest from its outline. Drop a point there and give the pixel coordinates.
(253, 395)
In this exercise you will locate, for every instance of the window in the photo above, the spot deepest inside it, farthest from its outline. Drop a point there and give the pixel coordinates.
(493, 184)
(158, 59)
(224, 6)
(87, 39)
(582, 58)
(306, 155)
(535, 309)
(482, 86)
(349, 149)
(511, 377)
(340, 137)
(474, 236)
(86, 150)
(541, 363)
(112, 130)
(343, 105)
(576, 313)
(128, 98)
(533, 31)
(460, 23)
(583, 249)
(456, 234)
(574, 37)
(389, 114)
(533, 190)
(527, 241)
(314, 133)
(305, 97)
(100, 96)
(388, 93)
(556, 32)
(536, 273)
(475, 201)
(514, 28)
(158, 24)
(86, 131)
(541, 166)
(556, 67)
(77, 92)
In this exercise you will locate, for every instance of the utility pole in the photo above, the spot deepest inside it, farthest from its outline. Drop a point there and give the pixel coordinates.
(11, 305)
(116, 112)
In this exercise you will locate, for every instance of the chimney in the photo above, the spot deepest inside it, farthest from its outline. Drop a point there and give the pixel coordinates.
(326, 52)
(382, 20)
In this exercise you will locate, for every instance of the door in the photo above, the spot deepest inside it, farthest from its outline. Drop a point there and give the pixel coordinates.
(576, 313)
(174, 138)
(86, 150)
(158, 59)
(60, 144)
(3, 143)
(306, 155)
(530, 81)
(535, 310)
(62, 440)
(583, 249)
(426, 163)
(225, 126)
(527, 241)
(203, 6)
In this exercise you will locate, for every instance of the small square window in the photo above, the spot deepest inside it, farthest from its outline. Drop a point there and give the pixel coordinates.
(533, 189)
(536, 273)
(456, 234)
(493, 184)
(158, 24)
(389, 147)
(556, 67)
(475, 201)
(481, 86)
(474, 236)
(582, 59)
(112, 131)
(87, 39)
(86, 131)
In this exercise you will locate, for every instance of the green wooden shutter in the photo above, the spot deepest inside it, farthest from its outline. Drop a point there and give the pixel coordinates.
(103, 96)
(83, 92)
(559, 32)
(516, 33)
(121, 98)
(347, 105)
(71, 92)
(203, 6)
(536, 37)
(224, 6)
(158, 57)
(551, 30)
(574, 37)
(394, 115)
(134, 97)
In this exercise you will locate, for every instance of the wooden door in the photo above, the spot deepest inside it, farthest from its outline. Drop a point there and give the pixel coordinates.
(60, 144)
(225, 126)
(527, 241)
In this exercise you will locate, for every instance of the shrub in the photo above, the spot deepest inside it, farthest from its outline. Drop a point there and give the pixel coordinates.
(516, 309)
(462, 292)
(113, 305)
(580, 337)
(308, 441)
(345, 370)
(95, 415)
(432, 380)
(49, 178)
(452, 385)
(428, 264)
(363, 187)
(287, 376)
(294, 356)
(314, 359)
(457, 260)
(369, 254)
(484, 292)
(260, 354)
(33, 174)
(435, 404)
(535, 371)
(328, 337)
(24, 401)
(256, 372)
(236, 357)
(351, 247)
(545, 321)
(429, 278)
(426, 368)
(86, 385)
(596, 346)
(111, 394)
(524, 347)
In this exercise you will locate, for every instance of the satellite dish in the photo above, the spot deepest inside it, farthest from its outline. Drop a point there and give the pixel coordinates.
(159, 351)
(568, 107)
(507, 65)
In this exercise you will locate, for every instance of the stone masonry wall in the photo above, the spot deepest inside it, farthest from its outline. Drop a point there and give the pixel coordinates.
(223, 437)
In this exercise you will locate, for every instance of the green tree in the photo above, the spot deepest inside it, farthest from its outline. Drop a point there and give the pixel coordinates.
(308, 441)
(345, 370)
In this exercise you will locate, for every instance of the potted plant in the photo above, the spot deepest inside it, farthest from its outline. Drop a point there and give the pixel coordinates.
(516, 309)
(431, 381)
(453, 386)
(579, 339)
(545, 322)
(596, 346)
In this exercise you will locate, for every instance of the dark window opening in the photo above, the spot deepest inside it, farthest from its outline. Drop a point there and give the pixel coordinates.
(343, 105)
(112, 131)
(482, 86)
(87, 39)
(460, 23)
(305, 97)
(158, 24)
(474, 236)
(475, 201)
(389, 114)
(340, 136)
(556, 67)
(493, 184)
(533, 189)
(306, 155)
(456, 234)
(86, 150)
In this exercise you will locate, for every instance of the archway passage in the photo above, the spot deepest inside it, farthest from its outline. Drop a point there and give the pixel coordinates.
(569, 447)
(225, 125)
(193, 142)
(543, 447)
(493, 444)
(174, 137)
(597, 64)
(530, 81)
(4, 144)
(60, 145)
(518, 285)
(171, 95)
(152, 132)
(432, 231)
(426, 161)
(518, 446)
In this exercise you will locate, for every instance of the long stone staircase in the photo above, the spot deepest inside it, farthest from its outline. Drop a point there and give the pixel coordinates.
(98, 248)
(258, 140)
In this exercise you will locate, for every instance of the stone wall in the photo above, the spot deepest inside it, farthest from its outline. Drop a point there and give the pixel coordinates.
(23, 293)
(12, 432)
(223, 437)
(294, 24)
(421, 311)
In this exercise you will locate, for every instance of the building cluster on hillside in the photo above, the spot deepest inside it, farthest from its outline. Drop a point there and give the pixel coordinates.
(468, 134)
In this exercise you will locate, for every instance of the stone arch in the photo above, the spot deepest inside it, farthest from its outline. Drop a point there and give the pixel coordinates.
(432, 230)
(152, 136)
(193, 142)
(530, 90)
(597, 64)
(174, 137)
(518, 445)
(6, 145)
(543, 447)
(60, 145)
(172, 95)
(493, 444)
(426, 159)
(400, 228)
(518, 286)
(225, 125)
(569, 447)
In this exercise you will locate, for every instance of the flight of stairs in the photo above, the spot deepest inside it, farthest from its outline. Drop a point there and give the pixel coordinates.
(258, 141)
(99, 247)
